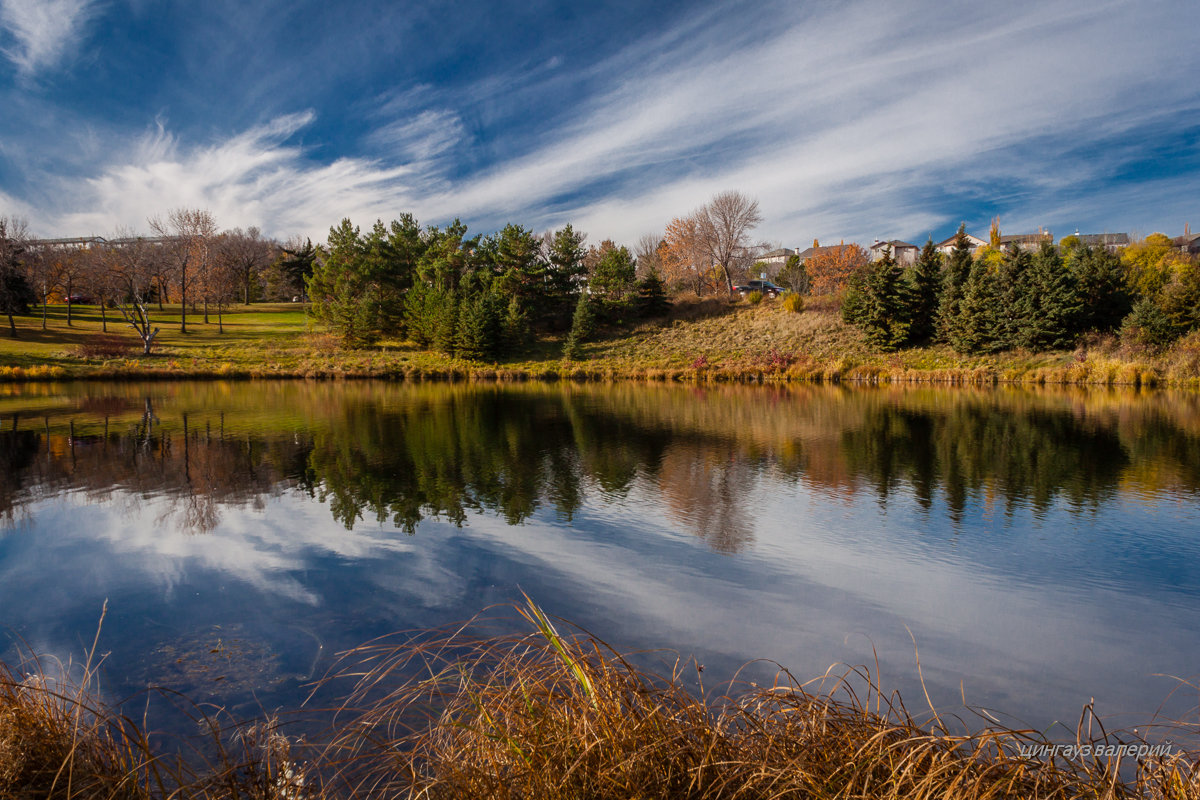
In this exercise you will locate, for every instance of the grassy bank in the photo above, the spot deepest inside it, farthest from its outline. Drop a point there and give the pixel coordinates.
(701, 340)
(543, 715)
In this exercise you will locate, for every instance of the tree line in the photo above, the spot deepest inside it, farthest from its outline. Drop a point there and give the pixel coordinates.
(994, 299)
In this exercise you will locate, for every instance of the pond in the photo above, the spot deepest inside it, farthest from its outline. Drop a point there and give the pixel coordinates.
(1037, 548)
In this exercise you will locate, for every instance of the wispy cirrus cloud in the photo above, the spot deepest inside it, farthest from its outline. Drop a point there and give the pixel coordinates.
(41, 31)
(846, 122)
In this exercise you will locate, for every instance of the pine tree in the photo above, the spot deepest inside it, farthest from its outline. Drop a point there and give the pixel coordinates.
(652, 296)
(925, 284)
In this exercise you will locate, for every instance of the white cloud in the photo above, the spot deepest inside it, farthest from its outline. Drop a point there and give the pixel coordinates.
(42, 30)
(838, 122)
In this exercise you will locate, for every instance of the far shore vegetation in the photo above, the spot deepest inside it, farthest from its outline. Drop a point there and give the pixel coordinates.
(401, 300)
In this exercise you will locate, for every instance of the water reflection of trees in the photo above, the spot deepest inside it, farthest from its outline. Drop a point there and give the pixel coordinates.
(400, 454)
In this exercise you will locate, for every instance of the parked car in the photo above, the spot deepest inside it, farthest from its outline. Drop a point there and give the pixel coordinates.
(766, 287)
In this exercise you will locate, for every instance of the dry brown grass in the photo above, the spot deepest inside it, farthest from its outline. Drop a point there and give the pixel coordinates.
(547, 716)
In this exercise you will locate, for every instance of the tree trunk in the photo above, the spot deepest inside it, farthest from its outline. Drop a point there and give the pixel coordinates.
(103, 318)
(183, 303)
(12, 326)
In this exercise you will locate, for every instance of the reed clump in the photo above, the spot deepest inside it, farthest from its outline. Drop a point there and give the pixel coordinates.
(550, 716)
(544, 715)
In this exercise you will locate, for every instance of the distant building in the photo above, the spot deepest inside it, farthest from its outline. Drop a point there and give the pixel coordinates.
(774, 261)
(1026, 241)
(903, 252)
(947, 247)
(1188, 243)
(1111, 242)
(821, 250)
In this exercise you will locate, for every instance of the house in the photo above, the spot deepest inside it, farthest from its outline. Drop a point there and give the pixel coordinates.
(903, 252)
(1188, 243)
(947, 247)
(1026, 241)
(1112, 242)
(773, 261)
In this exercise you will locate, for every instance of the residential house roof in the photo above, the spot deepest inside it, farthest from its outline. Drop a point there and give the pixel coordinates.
(816, 251)
(783, 252)
(895, 244)
(974, 240)
(1104, 239)
(1026, 238)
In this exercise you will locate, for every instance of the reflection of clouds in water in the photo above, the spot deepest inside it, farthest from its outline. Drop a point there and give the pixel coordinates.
(263, 550)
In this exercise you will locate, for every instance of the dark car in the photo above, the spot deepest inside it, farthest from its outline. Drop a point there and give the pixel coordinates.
(766, 287)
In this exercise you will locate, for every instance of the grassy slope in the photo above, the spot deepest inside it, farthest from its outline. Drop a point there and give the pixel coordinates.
(706, 340)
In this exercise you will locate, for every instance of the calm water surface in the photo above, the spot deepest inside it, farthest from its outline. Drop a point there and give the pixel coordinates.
(1041, 548)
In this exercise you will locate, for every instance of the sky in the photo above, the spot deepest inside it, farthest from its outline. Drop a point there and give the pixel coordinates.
(845, 119)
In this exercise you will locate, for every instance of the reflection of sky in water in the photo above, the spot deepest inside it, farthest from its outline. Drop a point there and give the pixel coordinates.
(1033, 617)
(804, 528)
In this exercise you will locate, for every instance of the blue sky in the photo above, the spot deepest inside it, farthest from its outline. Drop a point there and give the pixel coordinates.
(846, 119)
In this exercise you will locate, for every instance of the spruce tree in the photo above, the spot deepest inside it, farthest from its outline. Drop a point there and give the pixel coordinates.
(884, 303)
(652, 296)
(954, 284)
(1052, 306)
(925, 284)
(975, 328)
(1018, 299)
(582, 324)
(478, 332)
(1103, 294)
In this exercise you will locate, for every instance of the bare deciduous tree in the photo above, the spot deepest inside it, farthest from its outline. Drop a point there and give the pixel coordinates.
(190, 232)
(132, 266)
(648, 254)
(725, 224)
(245, 254)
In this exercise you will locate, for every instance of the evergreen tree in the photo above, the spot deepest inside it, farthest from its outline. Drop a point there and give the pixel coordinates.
(515, 256)
(478, 332)
(925, 285)
(954, 284)
(883, 304)
(445, 322)
(794, 276)
(1180, 298)
(582, 325)
(1051, 306)
(515, 331)
(1147, 324)
(1017, 300)
(338, 288)
(652, 296)
(976, 326)
(613, 275)
(1103, 294)
(565, 274)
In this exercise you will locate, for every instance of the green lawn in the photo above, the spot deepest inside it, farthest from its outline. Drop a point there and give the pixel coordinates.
(708, 339)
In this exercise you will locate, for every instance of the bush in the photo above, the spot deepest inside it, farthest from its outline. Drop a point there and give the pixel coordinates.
(104, 345)
(754, 298)
(793, 302)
